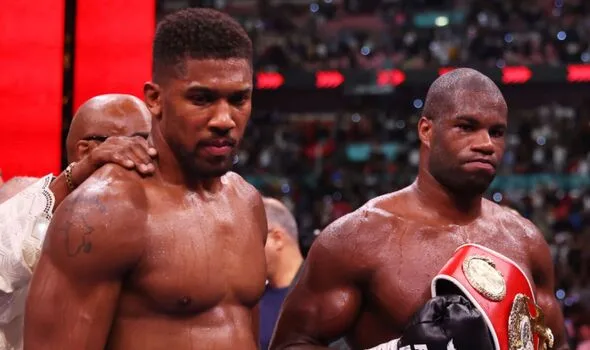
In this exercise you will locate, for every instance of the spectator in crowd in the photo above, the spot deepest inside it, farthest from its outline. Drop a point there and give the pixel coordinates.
(283, 260)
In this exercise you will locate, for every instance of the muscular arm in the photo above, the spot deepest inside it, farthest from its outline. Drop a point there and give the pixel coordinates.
(93, 240)
(544, 277)
(326, 300)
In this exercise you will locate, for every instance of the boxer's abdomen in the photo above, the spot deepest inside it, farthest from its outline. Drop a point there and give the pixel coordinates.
(223, 327)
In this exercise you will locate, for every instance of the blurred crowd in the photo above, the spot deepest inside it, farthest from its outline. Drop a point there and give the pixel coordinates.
(417, 34)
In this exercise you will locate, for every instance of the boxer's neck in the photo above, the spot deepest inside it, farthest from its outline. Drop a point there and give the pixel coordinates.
(171, 171)
(454, 206)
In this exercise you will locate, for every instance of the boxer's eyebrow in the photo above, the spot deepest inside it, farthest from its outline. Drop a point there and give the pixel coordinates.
(198, 88)
(467, 118)
(475, 121)
(243, 89)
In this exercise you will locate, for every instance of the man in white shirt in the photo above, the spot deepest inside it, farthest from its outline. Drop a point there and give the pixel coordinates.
(106, 129)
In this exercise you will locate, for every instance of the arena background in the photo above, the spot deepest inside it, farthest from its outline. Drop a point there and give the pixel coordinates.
(339, 88)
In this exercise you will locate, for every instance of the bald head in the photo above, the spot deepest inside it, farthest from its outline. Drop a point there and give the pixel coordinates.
(104, 116)
(464, 122)
(277, 214)
(448, 90)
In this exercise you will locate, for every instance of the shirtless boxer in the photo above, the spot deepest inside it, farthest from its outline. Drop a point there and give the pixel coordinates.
(370, 271)
(30, 202)
(176, 260)
(98, 119)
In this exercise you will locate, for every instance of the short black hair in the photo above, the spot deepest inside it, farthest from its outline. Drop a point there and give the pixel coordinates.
(198, 33)
(441, 96)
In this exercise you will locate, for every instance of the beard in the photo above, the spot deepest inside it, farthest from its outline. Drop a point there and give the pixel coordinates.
(204, 167)
(455, 178)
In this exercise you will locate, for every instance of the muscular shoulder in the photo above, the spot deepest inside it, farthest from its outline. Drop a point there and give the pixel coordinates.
(113, 181)
(379, 216)
(243, 191)
(361, 231)
(112, 192)
(249, 197)
(531, 237)
(241, 187)
(100, 224)
(514, 222)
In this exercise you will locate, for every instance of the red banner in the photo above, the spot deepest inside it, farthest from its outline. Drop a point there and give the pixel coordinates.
(269, 80)
(516, 75)
(113, 47)
(328, 79)
(31, 57)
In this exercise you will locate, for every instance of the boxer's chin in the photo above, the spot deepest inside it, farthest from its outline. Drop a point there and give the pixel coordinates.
(213, 170)
(207, 168)
(478, 183)
(468, 183)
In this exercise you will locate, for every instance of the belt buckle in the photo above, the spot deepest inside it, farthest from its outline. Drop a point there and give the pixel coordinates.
(522, 326)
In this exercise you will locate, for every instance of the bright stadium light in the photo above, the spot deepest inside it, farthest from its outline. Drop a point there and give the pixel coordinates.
(441, 21)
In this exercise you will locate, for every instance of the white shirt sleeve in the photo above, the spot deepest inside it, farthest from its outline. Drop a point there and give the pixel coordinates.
(24, 219)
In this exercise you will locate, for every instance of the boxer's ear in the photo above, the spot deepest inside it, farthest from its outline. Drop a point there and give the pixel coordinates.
(276, 236)
(152, 95)
(83, 148)
(425, 130)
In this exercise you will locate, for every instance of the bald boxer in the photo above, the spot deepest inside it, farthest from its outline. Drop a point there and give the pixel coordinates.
(368, 275)
(176, 260)
(30, 202)
(283, 262)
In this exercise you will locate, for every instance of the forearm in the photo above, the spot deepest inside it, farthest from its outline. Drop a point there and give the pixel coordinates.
(66, 323)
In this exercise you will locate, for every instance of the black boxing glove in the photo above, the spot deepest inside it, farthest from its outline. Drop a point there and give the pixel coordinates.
(448, 322)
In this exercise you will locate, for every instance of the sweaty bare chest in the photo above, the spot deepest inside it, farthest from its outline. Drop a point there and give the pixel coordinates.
(196, 260)
(401, 282)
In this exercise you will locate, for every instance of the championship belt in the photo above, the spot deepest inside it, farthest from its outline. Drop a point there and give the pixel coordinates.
(501, 291)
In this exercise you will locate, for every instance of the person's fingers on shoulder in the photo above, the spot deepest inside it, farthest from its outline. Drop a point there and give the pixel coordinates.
(141, 152)
(152, 152)
(109, 151)
(121, 159)
(138, 161)
(139, 149)
(143, 149)
(122, 150)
